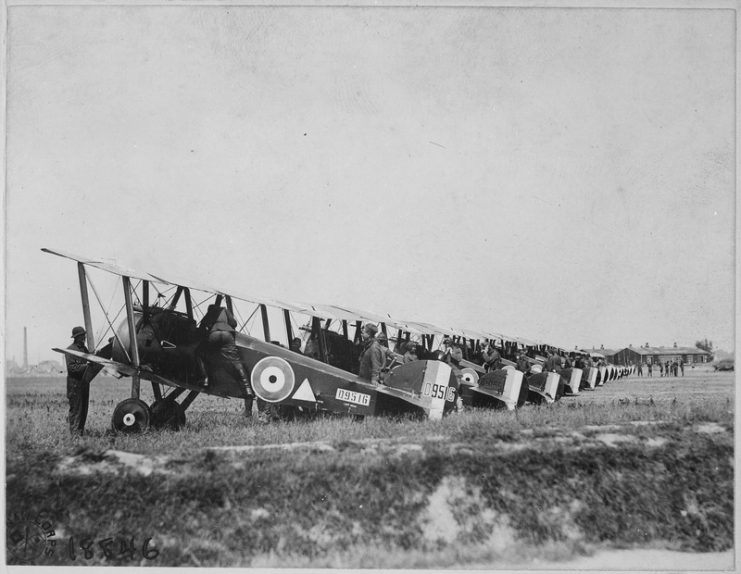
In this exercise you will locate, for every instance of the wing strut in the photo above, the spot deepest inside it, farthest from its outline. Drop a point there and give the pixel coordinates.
(188, 303)
(132, 336)
(176, 298)
(289, 330)
(145, 295)
(265, 324)
(86, 306)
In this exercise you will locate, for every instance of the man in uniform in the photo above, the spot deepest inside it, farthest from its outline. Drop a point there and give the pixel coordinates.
(579, 362)
(522, 363)
(492, 358)
(388, 355)
(552, 363)
(456, 356)
(410, 352)
(372, 356)
(220, 326)
(444, 353)
(78, 387)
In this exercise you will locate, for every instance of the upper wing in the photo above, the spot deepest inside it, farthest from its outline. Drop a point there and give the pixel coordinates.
(168, 279)
(105, 265)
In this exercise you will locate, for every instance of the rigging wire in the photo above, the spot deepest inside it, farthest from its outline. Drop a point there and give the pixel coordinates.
(110, 325)
(249, 319)
(198, 305)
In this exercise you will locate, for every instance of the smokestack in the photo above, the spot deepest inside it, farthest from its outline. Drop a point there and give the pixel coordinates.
(25, 350)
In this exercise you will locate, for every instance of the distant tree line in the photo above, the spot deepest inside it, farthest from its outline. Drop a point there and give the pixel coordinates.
(705, 345)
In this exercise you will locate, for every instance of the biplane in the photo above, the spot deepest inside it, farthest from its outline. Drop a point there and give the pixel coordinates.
(331, 329)
(161, 341)
(500, 388)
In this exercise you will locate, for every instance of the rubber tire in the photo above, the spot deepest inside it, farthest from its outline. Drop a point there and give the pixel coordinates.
(167, 414)
(136, 407)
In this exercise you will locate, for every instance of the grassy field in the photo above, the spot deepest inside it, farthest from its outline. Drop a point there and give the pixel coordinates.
(636, 463)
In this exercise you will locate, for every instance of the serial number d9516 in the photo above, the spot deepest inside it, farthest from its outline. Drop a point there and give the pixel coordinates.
(438, 392)
(353, 397)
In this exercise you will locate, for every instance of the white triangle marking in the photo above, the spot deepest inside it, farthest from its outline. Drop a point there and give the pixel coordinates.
(304, 392)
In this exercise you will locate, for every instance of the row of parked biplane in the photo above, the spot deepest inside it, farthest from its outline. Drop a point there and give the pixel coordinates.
(161, 340)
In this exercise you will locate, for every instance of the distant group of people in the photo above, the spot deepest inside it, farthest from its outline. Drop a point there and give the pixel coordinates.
(666, 369)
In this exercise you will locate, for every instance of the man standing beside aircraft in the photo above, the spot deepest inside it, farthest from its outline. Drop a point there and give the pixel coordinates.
(492, 358)
(410, 352)
(522, 363)
(444, 354)
(456, 356)
(372, 357)
(388, 355)
(78, 388)
(220, 325)
(553, 363)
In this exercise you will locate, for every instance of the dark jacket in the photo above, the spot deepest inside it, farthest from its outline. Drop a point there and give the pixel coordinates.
(372, 360)
(219, 319)
(76, 366)
(523, 364)
(492, 360)
(553, 363)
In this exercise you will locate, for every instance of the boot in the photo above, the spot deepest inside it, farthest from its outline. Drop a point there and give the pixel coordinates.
(201, 374)
(248, 406)
(264, 412)
(243, 380)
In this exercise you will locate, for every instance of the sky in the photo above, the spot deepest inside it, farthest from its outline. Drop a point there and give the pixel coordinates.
(565, 175)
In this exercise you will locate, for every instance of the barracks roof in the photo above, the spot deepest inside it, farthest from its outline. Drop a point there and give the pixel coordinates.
(601, 351)
(645, 351)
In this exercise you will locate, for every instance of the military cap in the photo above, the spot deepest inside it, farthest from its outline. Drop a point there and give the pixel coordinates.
(77, 331)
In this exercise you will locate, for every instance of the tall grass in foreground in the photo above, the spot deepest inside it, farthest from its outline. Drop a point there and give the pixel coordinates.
(460, 497)
(36, 414)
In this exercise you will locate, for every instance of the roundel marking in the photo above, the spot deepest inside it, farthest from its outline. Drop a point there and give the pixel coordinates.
(273, 379)
(468, 375)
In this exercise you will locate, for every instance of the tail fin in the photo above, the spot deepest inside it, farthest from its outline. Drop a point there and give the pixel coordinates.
(430, 385)
(575, 380)
(544, 386)
(589, 376)
(503, 385)
(551, 385)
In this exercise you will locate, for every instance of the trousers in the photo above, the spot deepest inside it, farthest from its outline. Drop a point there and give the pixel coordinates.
(78, 395)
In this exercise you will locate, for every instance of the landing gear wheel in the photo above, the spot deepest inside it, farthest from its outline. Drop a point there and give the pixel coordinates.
(167, 413)
(131, 416)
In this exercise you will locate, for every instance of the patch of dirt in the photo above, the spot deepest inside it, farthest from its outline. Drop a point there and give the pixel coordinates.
(457, 511)
(439, 522)
(709, 428)
(613, 439)
(113, 461)
(613, 435)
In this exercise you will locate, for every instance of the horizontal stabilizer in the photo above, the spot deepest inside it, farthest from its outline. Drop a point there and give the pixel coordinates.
(489, 392)
(403, 395)
(502, 384)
